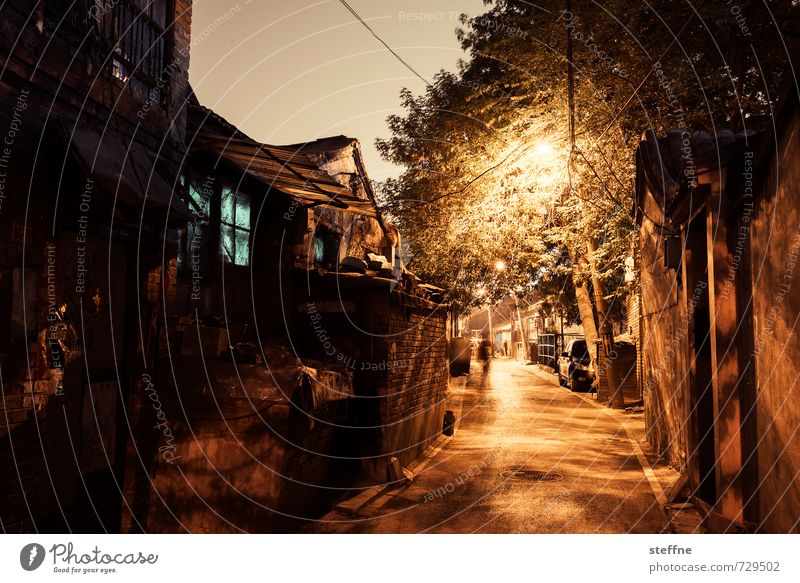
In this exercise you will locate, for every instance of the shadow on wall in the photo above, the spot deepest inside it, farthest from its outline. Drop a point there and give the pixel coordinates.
(60, 465)
(261, 455)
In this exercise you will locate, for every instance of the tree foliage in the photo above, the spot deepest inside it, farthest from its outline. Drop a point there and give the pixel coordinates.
(488, 170)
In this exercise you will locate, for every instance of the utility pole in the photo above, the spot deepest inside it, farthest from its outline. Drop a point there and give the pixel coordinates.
(491, 334)
(617, 399)
(570, 84)
(523, 336)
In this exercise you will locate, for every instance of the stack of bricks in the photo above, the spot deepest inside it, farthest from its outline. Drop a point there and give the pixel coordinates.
(155, 285)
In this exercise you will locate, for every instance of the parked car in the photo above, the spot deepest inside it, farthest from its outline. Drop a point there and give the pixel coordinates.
(575, 366)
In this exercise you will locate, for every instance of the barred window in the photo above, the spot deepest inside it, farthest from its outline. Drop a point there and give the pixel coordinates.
(135, 32)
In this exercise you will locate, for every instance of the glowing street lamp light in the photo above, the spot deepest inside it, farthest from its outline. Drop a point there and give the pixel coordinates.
(500, 265)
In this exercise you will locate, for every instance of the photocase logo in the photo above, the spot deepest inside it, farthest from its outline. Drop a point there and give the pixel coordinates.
(31, 556)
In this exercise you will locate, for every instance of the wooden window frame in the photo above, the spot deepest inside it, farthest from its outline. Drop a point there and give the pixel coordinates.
(237, 194)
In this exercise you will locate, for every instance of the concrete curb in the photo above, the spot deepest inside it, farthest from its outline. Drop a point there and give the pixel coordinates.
(377, 496)
(373, 497)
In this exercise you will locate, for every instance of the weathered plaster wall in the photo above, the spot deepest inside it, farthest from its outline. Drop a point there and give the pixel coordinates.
(776, 307)
(664, 342)
(248, 460)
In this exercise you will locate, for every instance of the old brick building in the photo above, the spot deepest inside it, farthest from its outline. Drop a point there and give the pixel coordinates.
(204, 333)
(318, 366)
(93, 120)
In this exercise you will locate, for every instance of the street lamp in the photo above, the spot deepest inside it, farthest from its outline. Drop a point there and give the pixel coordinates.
(500, 265)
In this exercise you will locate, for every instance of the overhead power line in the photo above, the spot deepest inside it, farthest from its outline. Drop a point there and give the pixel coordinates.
(390, 49)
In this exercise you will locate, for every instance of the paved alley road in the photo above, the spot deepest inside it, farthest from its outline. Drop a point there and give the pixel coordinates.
(487, 478)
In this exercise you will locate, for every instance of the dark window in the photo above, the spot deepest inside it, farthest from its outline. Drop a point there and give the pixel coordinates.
(72, 19)
(198, 198)
(580, 351)
(134, 31)
(61, 12)
(200, 205)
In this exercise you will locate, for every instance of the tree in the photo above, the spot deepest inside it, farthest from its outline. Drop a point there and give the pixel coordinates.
(489, 172)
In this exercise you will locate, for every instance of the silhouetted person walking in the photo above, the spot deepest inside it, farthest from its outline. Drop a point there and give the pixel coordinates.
(485, 356)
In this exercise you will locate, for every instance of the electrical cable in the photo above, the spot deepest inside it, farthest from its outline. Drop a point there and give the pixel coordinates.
(390, 49)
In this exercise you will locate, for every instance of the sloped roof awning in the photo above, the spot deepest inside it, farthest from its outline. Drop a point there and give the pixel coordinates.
(288, 171)
(124, 168)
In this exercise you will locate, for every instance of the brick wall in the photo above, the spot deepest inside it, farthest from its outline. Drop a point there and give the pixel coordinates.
(418, 349)
(395, 345)
(179, 81)
(412, 346)
(18, 462)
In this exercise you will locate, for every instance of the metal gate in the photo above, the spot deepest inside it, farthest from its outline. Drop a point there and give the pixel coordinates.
(551, 346)
(548, 350)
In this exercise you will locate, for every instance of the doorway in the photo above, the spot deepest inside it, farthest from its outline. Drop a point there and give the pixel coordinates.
(702, 457)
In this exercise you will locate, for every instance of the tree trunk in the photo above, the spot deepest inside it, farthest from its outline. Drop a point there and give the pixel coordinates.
(606, 333)
(585, 309)
(523, 333)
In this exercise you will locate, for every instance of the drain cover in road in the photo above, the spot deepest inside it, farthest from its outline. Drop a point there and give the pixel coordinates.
(531, 475)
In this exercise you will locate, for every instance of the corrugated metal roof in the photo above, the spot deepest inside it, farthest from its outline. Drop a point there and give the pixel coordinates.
(286, 169)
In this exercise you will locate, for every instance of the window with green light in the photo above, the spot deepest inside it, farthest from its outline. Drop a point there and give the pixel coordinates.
(325, 248)
(235, 227)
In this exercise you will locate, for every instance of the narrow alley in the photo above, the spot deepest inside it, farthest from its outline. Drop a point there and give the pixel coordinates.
(528, 457)
(371, 267)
